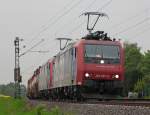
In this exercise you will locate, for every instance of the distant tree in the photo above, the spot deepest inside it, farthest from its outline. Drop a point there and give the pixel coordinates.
(145, 70)
(145, 63)
(133, 58)
(139, 86)
(2, 89)
(9, 89)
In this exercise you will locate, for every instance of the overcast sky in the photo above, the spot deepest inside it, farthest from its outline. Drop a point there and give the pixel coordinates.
(33, 20)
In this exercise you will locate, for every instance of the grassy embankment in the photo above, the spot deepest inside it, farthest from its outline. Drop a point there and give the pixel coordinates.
(10, 106)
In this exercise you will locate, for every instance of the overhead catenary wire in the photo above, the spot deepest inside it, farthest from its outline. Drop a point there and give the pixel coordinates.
(133, 26)
(129, 19)
(31, 48)
(76, 28)
(40, 51)
(66, 24)
(52, 17)
(142, 32)
(37, 59)
(47, 26)
(105, 5)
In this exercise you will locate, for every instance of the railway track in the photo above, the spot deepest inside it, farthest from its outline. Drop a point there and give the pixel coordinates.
(122, 102)
(104, 107)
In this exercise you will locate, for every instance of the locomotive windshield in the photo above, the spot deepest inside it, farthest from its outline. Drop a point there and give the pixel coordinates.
(108, 54)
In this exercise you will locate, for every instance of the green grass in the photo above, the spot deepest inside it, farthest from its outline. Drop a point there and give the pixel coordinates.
(147, 97)
(10, 106)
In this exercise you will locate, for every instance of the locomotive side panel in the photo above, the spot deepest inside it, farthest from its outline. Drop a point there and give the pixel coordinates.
(50, 76)
(29, 88)
(63, 70)
(80, 64)
(55, 72)
(43, 78)
(32, 90)
(35, 87)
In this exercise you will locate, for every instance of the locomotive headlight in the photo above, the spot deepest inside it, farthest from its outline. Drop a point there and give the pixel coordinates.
(116, 76)
(87, 75)
(102, 61)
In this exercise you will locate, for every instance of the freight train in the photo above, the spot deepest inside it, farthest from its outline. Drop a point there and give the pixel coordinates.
(91, 67)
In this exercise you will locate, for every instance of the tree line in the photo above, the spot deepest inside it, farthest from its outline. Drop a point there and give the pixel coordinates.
(9, 89)
(137, 70)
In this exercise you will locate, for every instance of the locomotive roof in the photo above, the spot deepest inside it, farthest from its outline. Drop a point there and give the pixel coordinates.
(84, 41)
(100, 42)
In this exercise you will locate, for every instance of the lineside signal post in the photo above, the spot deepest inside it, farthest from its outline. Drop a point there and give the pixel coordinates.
(17, 76)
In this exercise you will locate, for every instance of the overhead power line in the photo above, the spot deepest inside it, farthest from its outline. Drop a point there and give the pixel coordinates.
(105, 5)
(37, 60)
(45, 27)
(52, 17)
(31, 48)
(129, 19)
(133, 26)
(58, 18)
(67, 24)
(142, 32)
(77, 27)
(40, 51)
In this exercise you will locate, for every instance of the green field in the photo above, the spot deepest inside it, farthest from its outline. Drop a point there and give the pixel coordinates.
(10, 106)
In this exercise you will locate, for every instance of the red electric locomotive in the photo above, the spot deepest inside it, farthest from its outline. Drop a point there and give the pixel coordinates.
(100, 67)
(91, 67)
(88, 68)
